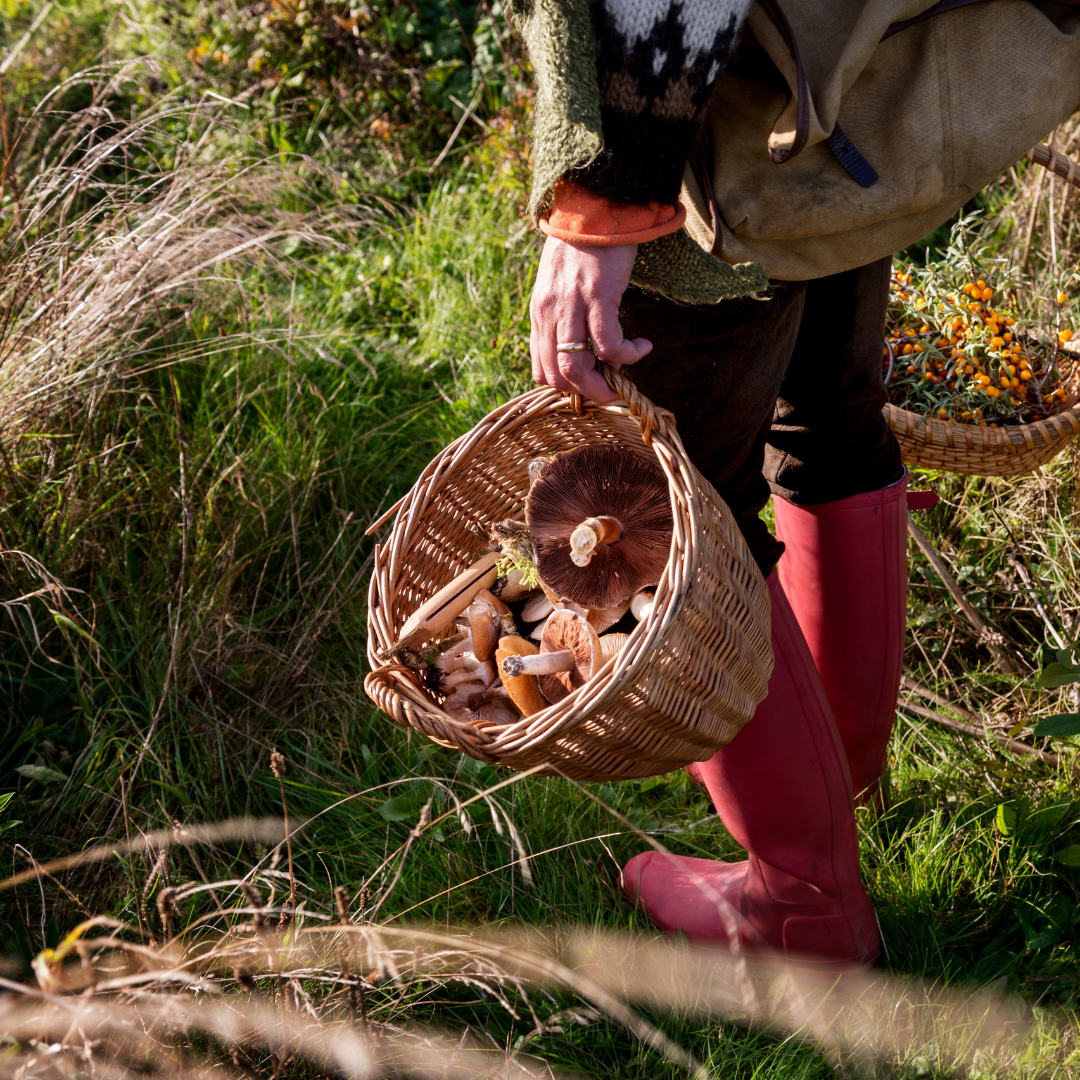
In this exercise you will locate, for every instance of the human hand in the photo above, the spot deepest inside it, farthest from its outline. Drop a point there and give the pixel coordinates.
(576, 298)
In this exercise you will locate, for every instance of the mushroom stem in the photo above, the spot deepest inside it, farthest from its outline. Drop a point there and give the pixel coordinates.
(590, 534)
(550, 663)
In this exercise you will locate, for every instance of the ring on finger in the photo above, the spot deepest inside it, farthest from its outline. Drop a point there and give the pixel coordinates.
(573, 346)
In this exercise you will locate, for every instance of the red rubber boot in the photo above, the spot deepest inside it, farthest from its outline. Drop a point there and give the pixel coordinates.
(782, 789)
(844, 571)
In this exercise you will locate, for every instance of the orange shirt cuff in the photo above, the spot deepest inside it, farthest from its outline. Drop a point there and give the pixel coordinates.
(580, 217)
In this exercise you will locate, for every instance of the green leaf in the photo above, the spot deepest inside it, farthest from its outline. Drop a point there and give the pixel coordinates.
(400, 808)
(1070, 856)
(1062, 667)
(1064, 656)
(1061, 724)
(9, 825)
(42, 774)
(1005, 819)
(5, 799)
(1052, 680)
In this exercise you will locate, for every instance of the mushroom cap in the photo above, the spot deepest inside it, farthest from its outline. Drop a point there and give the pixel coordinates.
(513, 588)
(568, 630)
(487, 616)
(593, 482)
(524, 690)
(539, 607)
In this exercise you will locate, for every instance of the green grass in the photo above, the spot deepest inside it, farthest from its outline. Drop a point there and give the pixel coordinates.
(207, 519)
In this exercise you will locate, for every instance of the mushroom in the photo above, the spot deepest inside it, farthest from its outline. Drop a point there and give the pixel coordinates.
(538, 630)
(489, 619)
(600, 522)
(489, 710)
(512, 587)
(436, 614)
(524, 690)
(539, 607)
(569, 653)
(604, 620)
(612, 644)
(642, 604)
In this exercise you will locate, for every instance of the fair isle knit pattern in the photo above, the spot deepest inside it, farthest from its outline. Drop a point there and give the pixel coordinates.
(657, 62)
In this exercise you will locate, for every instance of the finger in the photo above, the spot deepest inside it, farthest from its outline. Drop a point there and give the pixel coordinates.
(534, 353)
(608, 340)
(579, 370)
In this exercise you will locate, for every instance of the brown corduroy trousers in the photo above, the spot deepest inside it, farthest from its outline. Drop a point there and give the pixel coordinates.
(783, 393)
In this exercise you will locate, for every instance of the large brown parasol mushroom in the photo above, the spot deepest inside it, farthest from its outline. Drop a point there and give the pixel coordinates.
(600, 522)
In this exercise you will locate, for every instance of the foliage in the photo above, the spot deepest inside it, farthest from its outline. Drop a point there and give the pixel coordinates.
(183, 494)
(954, 356)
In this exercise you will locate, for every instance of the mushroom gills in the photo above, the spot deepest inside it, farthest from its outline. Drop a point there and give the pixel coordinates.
(612, 644)
(601, 524)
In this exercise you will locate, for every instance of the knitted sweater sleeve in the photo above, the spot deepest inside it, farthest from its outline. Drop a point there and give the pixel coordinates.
(657, 62)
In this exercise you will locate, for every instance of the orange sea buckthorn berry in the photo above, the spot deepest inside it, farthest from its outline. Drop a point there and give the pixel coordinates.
(1025, 375)
(1010, 322)
(1006, 337)
(1062, 298)
(968, 288)
(980, 285)
(997, 342)
(911, 367)
(1065, 335)
(907, 350)
(1004, 380)
(920, 348)
(974, 307)
(993, 391)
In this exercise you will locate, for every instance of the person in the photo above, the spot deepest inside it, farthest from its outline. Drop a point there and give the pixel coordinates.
(779, 391)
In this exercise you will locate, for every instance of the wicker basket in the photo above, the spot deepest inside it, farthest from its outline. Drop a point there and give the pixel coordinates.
(980, 451)
(987, 451)
(690, 675)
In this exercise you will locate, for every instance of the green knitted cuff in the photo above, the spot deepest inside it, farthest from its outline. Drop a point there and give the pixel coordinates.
(676, 267)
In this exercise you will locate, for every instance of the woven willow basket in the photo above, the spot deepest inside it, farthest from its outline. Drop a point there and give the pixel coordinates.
(690, 675)
(987, 451)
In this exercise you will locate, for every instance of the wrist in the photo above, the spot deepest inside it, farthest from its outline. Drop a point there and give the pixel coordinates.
(580, 217)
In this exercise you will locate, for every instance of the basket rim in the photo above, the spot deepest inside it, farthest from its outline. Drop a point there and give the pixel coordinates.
(991, 441)
(658, 432)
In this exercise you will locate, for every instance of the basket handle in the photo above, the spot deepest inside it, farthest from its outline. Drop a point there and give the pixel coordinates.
(651, 417)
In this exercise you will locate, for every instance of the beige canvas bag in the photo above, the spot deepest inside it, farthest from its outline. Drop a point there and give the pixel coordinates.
(937, 109)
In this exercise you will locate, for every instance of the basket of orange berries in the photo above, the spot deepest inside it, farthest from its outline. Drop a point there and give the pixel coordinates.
(973, 386)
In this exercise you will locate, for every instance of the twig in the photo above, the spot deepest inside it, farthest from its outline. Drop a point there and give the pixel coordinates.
(457, 130)
(937, 699)
(1015, 745)
(990, 638)
(25, 39)
(277, 767)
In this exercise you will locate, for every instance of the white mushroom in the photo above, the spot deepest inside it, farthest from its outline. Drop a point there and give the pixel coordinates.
(642, 604)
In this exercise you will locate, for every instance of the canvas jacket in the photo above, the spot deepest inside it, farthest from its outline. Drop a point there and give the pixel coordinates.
(836, 134)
